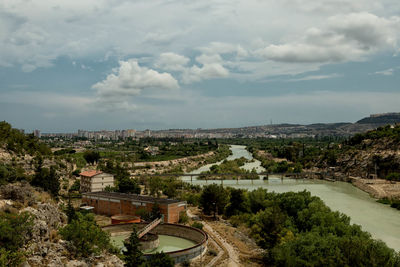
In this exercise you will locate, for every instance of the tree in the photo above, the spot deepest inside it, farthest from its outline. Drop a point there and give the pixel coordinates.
(45, 178)
(155, 211)
(155, 186)
(91, 156)
(15, 229)
(71, 213)
(86, 236)
(128, 185)
(159, 259)
(237, 202)
(132, 254)
(213, 199)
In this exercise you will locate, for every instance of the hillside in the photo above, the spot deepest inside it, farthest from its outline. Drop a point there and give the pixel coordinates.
(385, 118)
(376, 151)
(17, 142)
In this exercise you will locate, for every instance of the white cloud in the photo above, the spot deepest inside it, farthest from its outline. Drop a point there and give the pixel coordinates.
(316, 77)
(129, 80)
(35, 33)
(171, 61)
(224, 48)
(205, 72)
(387, 72)
(346, 37)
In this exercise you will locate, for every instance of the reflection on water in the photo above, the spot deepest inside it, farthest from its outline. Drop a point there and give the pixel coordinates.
(380, 220)
(167, 243)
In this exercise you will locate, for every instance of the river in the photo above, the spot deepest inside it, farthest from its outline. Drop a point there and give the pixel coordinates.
(378, 219)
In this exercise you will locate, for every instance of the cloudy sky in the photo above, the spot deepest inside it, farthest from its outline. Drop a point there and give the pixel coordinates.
(96, 64)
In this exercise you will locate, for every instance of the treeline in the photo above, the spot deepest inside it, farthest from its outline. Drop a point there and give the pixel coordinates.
(381, 132)
(13, 140)
(297, 229)
(231, 166)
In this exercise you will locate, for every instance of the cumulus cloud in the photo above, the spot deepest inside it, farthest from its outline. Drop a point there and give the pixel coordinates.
(129, 80)
(171, 61)
(205, 72)
(346, 37)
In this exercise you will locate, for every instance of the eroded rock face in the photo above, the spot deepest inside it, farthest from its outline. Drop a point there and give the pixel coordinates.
(23, 193)
(47, 217)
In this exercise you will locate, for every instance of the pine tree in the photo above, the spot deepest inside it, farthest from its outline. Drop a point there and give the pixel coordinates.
(132, 254)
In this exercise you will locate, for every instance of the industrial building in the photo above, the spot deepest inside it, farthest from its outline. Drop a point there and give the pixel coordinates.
(112, 203)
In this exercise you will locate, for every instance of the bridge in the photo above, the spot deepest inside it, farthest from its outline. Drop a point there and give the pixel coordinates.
(328, 175)
(149, 227)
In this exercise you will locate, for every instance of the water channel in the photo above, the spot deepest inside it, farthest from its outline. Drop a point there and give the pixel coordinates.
(378, 219)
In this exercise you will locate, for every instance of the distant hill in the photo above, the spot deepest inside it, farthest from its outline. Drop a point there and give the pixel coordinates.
(14, 141)
(384, 118)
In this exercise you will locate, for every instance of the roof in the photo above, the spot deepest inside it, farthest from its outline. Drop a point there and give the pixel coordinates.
(132, 197)
(90, 173)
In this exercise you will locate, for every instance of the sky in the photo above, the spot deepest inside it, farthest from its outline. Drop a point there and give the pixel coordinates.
(160, 64)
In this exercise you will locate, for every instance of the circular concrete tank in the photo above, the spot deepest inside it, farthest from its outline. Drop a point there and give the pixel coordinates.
(124, 218)
(196, 246)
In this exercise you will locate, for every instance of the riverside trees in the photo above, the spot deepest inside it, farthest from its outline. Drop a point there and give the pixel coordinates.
(297, 229)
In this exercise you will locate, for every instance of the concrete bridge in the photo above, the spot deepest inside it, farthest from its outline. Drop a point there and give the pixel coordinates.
(149, 227)
(328, 175)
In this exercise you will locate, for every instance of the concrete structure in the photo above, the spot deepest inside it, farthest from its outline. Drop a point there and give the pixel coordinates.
(112, 203)
(94, 181)
(199, 237)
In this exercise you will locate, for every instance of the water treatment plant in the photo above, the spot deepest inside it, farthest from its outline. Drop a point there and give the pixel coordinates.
(182, 243)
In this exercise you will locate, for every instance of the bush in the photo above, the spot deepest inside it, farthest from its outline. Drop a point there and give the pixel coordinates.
(183, 218)
(198, 225)
(393, 176)
(15, 230)
(86, 236)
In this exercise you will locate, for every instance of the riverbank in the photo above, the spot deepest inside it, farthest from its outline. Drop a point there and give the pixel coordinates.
(377, 188)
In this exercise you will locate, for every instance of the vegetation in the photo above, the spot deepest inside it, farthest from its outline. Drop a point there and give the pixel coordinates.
(46, 178)
(10, 173)
(231, 166)
(133, 257)
(159, 259)
(20, 143)
(86, 236)
(15, 230)
(124, 183)
(298, 229)
(213, 199)
(132, 254)
(379, 133)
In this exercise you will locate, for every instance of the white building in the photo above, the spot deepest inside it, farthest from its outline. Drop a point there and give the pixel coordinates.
(95, 181)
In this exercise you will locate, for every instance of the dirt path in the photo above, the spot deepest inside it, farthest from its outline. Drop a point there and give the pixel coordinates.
(233, 256)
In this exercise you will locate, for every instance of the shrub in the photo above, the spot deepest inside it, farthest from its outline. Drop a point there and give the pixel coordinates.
(86, 236)
(197, 225)
(183, 218)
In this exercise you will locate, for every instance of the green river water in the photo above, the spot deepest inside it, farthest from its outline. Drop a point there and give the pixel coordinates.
(378, 219)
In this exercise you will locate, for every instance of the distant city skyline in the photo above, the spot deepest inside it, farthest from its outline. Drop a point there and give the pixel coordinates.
(196, 64)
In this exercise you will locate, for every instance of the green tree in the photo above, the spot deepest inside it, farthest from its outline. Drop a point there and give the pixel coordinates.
(86, 236)
(70, 211)
(91, 156)
(159, 259)
(15, 230)
(213, 199)
(155, 211)
(237, 202)
(128, 185)
(133, 257)
(47, 179)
